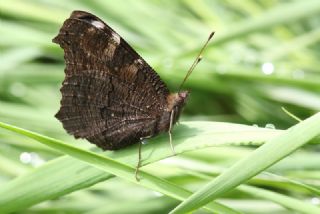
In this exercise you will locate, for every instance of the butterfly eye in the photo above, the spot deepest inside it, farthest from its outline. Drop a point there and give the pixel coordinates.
(183, 94)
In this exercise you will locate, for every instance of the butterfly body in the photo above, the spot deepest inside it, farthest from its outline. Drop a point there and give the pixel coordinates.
(110, 95)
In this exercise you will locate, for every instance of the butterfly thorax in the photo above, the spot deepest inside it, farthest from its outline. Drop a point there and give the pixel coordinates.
(175, 104)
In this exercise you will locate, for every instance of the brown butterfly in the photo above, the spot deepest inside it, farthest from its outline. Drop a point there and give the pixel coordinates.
(110, 95)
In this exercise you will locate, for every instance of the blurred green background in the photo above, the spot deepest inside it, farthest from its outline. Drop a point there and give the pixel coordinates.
(264, 56)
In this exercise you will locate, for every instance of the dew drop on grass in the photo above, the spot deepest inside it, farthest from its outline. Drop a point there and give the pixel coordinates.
(315, 201)
(157, 194)
(31, 158)
(36, 159)
(270, 126)
(25, 157)
(267, 68)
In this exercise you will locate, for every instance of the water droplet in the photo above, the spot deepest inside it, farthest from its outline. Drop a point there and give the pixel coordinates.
(315, 201)
(144, 142)
(18, 89)
(270, 126)
(157, 194)
(36, 160)
(255, 125)
(267, 68)
(31, 158)
(25, 157)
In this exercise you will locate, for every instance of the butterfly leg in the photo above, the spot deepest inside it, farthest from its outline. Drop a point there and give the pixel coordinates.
(169, 132)
(142, 141)
(139, 162)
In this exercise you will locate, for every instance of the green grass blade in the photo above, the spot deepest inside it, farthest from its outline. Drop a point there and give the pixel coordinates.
(33, 11)
(281, 199)
(10, 200)
(265, 156)
(271, 18)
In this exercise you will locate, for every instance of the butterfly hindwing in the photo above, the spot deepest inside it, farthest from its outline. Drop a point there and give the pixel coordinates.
(110, 95)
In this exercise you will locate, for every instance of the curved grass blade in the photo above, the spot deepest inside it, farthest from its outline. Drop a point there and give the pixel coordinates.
(273, 17)
(281, 199)
(265, 156)
(112, 166)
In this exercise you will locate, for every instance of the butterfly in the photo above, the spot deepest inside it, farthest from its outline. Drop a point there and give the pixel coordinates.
(110, 95)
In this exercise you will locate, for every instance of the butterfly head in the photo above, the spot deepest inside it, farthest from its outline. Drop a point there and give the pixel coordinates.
(177, 100)
(182, 97)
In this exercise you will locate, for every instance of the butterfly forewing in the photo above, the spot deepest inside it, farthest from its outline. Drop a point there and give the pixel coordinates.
(110, 95)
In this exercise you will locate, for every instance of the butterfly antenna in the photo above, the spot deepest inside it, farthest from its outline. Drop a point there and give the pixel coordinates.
(197, 60)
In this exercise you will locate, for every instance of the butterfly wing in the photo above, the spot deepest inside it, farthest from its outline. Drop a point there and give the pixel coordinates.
(110, 95)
